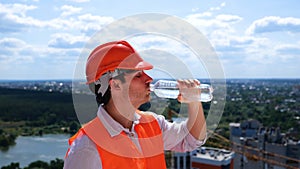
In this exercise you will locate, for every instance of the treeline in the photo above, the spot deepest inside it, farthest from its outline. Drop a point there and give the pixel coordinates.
(41, 107)
(54, 164)
(27, 112)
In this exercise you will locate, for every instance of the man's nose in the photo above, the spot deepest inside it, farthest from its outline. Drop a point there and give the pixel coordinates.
(148, 79)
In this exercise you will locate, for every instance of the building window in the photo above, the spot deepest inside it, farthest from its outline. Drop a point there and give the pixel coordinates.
(175, 162)
(181, 162)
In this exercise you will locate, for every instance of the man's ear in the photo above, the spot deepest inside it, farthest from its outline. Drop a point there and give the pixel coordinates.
(114, 84)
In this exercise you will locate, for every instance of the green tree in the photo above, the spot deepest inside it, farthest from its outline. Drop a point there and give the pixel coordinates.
(74, 126)
(38, 165)
(56, 164)
(12, 166)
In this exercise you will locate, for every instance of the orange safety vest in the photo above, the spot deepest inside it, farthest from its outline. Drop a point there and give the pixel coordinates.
(120, 152)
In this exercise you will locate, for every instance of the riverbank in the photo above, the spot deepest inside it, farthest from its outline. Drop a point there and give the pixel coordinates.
(9, 131)
(30, 149)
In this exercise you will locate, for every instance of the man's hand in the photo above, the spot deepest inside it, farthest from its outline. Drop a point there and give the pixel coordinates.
(189, 91)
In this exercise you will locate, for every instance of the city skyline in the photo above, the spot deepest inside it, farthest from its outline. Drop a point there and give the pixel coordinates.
(253, 39)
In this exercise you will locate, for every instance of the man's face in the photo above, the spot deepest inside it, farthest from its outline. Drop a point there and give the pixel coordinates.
(137, 87)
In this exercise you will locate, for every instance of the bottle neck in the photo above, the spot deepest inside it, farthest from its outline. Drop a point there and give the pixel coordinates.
(152, 87)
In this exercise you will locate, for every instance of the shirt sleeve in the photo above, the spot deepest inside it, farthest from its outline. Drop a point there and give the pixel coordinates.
(83, 154)
(177, 137)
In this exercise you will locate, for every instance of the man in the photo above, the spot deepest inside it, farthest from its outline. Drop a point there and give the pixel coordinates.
(121, 136)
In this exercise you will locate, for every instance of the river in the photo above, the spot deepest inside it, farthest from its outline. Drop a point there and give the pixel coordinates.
(33, 148)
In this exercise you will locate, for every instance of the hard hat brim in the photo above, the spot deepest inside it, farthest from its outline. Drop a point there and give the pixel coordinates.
(143, 65)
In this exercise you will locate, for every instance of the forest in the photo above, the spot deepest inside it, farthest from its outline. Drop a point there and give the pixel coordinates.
(27, 112)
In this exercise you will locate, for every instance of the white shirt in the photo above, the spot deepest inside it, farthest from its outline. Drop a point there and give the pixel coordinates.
(83, 153)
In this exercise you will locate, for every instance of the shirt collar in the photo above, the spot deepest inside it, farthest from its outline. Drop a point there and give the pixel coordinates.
(113, 127)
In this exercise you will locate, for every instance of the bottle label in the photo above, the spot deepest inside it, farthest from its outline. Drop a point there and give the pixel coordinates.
(163, 84)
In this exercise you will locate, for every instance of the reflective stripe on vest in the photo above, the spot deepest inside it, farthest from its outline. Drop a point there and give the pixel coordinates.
(120, 152)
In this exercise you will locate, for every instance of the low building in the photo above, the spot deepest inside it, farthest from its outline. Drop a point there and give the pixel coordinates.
(204, 157)
(212, 158)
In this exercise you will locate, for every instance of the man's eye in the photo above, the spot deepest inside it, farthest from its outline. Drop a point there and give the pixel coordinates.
(138, 75)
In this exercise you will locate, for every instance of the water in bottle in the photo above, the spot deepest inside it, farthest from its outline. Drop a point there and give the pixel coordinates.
(169, 89)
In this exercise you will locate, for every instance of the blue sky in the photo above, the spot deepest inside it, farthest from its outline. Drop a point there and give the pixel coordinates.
(253, 39)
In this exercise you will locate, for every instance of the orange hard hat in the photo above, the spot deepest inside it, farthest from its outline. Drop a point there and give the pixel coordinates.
(113, 55)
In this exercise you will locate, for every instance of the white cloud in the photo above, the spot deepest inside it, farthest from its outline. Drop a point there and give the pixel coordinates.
(95, 18)
(218, 7)
(15, 50)
(91, 23)
(242, 49)
(86, 23)
(274, 24)
(79, 1)
(195, 9)
(11, 43)
(15, 9)
(229, 18)
(200, 22)
(63, 40)
(214, 27)
(256, 51)
(236, 48)
(69, 10)
(13, 18)
(232, 43)
(199, 15)
(289, 52)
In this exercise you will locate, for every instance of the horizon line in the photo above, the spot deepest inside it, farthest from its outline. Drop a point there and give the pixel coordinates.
(235, 78)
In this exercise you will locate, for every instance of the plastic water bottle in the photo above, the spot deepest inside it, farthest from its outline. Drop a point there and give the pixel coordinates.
(169, 89)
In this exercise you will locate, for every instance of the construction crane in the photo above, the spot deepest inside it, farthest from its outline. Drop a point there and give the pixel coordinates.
(243, 149)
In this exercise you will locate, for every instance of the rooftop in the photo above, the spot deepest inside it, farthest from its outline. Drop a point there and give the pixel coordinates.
(213, 156)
